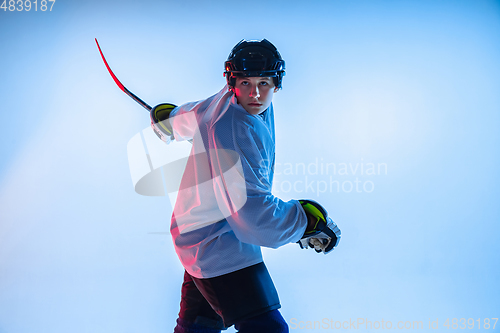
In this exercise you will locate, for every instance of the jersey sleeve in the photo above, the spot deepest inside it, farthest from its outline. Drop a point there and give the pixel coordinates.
(263, 219)
(187, 118)
(183, 120)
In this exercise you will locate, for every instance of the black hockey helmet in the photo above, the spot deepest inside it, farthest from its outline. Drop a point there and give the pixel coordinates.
(254, 58)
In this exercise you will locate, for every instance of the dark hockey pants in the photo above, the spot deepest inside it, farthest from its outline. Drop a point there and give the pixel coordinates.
(246, 298)
(269, 322)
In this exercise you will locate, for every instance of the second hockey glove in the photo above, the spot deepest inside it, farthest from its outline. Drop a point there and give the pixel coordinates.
(160, 123)
(324, 234)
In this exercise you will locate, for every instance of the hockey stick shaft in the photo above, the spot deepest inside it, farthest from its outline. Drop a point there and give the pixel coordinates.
(120, 85)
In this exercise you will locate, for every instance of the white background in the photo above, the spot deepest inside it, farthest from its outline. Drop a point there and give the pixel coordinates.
(412, 85)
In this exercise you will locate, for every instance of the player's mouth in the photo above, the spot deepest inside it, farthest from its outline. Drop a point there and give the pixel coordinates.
(254, 104)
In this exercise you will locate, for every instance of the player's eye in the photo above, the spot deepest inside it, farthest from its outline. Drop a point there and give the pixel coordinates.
(264, 83)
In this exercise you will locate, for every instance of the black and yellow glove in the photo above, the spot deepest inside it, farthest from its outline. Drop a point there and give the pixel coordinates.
(323, 234)
(160, 122)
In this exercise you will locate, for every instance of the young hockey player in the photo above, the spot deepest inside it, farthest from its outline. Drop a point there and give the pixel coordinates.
(225, 210)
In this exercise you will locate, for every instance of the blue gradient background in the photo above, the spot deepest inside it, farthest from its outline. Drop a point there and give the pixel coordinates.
(412, 84)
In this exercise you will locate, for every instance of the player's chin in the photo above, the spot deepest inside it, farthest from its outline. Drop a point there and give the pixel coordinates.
(254, 108)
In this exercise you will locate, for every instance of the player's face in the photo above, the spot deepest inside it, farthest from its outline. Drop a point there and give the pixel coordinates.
(254, 94)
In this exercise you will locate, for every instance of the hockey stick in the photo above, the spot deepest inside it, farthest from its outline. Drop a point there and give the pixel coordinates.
(120, 85)
(161, 111)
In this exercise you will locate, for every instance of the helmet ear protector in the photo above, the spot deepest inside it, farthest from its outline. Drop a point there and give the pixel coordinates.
(254, 59)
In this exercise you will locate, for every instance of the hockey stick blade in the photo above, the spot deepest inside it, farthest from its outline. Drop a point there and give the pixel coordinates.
(120, 85)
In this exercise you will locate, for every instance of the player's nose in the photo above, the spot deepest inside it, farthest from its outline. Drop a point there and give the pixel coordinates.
(254, 91)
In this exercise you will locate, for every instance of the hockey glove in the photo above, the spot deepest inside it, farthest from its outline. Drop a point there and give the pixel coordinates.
(324, 235)
(160, 123)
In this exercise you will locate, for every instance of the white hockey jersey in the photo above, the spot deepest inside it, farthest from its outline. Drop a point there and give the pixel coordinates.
(225, 210)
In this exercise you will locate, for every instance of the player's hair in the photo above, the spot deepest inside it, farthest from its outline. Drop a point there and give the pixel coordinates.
(254, 58)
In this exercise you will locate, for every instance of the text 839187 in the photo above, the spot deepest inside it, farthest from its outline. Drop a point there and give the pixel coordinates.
(27, 5)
